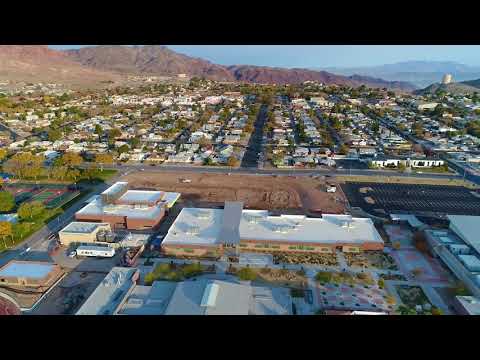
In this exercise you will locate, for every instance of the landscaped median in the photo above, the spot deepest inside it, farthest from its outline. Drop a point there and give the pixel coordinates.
(276, 277)
(176, 272)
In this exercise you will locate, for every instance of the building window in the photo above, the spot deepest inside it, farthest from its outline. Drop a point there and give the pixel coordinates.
(243, 245)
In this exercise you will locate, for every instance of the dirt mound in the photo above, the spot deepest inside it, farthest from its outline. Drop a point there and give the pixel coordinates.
(364, 190)
(369, 200)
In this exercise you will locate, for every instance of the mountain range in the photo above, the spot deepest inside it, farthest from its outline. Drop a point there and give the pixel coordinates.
(99, 65)
(418, 73)
(38, 63)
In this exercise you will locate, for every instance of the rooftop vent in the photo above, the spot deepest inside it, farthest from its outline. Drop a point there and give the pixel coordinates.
(203, 215)
(193, 230)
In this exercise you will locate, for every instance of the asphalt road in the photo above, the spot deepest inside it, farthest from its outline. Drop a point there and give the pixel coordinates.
(250, 158)
(279, 172)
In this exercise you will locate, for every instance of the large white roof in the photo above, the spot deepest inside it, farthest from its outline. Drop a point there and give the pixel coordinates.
(141, 196)
(97, 207)
(197, 226)
(258, 225)
(468, 228)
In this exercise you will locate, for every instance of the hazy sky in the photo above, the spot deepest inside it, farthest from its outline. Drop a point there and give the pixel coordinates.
(325, 55)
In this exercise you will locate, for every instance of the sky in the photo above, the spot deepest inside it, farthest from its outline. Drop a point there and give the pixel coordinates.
(307, 56)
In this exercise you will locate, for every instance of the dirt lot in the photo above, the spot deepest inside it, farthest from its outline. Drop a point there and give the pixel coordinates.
(256, 191)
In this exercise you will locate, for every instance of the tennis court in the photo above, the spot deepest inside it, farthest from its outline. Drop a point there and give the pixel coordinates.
(52, 196)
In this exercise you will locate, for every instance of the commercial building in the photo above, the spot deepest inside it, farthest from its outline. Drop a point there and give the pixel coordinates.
(83, 233)
(212, 232)
(32, 274)
(128, 209)
(459, 248)
(206, 297)
(109, 296)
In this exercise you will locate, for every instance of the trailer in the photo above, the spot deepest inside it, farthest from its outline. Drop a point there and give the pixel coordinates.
(95, 251)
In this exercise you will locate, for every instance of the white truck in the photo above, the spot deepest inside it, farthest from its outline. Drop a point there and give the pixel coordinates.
(95, 251)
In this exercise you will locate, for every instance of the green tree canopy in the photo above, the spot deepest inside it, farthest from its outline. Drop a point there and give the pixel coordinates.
(30, 210)
(7, 201)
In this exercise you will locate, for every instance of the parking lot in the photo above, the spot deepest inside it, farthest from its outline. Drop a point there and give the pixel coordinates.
(383, 199)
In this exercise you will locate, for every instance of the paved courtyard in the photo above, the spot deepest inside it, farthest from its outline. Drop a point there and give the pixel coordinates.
(399, 233)
(358, 297)
(410, 259)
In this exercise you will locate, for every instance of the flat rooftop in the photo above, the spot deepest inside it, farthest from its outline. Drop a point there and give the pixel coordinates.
(141, 196)
(82, 227)
(330, 229)
(206, 297)
(22, 269)
(466, 227)
(97, 207)
(470, 303)
(115, 188)
(195, 226)
(202, 227)
(109, 293)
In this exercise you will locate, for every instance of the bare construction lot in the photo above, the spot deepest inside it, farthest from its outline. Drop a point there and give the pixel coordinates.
(256, 191)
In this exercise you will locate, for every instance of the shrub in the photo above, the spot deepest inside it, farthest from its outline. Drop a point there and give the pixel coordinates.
(246, 274)
(437, 311)
(191, 270)
(381, 283)
(323, 276)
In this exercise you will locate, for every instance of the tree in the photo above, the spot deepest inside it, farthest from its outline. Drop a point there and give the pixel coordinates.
(24, 165)
(420, 241)
(134, 142)
(7, 201)
(59, 172)
(381, 283)
(98, 131)
(123, 149)
(405, 310)
(114, 133)
(401, 167)
(232, 161)
(5, 230)
(208, 161)
(344, 149)
(204, 141)
(54, 134)
(103, 159)
(3, 154)
(71, 159)
(30, 210)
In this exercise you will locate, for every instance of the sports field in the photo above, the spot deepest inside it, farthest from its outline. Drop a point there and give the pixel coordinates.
(52, 196)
